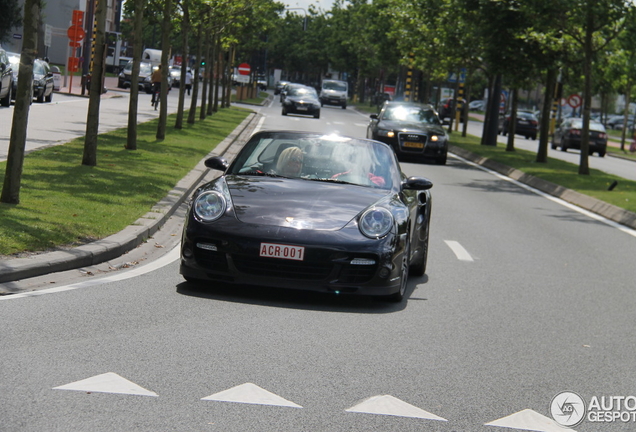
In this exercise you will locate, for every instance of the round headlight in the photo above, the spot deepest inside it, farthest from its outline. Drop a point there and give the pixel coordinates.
(376, 222)
(209, 206)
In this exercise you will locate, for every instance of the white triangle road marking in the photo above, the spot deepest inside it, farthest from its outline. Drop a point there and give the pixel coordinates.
(461, 253)
(531, 421)
(250, 394)
(109, 382)
(389, 405)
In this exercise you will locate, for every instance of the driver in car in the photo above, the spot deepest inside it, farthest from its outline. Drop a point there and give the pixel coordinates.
(290, 162)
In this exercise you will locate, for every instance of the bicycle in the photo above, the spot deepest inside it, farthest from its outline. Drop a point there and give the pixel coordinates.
(156, 95)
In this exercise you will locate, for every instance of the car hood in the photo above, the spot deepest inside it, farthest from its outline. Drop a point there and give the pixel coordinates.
(298, 203)
(411, 127)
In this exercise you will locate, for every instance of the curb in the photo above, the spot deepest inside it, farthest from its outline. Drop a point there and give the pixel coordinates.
(130, 237)
(608, 211)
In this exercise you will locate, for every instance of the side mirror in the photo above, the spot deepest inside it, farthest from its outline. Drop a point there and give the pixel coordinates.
(217, 163)
(417, 183)
(374, 116)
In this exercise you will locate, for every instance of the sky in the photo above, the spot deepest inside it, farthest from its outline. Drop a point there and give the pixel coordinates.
(325, 5)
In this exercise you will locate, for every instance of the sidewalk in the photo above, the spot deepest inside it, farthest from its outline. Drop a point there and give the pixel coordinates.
(74, 87)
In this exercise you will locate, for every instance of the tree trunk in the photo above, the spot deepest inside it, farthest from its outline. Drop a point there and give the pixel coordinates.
(546, 110)
(185, 29)
(23, 99)
(97, 78)
(512, 124)
(628, 91)
(206, 78)
(166, 28)
(195, 78)
(584, 167)
(492, 126)
(217, 75)
(131, 138)
(491, 85)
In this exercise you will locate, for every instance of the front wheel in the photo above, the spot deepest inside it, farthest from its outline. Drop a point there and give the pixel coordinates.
(404, 274)
(419, 268)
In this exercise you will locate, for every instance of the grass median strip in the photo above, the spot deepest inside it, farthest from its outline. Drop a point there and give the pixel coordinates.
(63, 203)
(562, 173)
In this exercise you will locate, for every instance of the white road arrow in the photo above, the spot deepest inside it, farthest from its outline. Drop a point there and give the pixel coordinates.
(109, 382)
(251, 394)
(389, 405)
(531, 421)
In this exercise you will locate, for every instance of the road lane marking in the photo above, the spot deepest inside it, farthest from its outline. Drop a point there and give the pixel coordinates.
(529, 420)
(389, 405)
(109, 382)
(250, 394)
(554, 199)
(461, 253)
(166, 259)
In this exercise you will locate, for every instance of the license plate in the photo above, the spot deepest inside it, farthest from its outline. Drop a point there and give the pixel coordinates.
(411, 144)
(273, 250)
(302, 108)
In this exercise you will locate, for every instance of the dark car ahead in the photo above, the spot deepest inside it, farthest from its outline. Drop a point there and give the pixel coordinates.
(569, 133)
(303, 210)
(527, 124)
(301, 100)
(145, 77)
(42, 81)
(412, 130)
(6, 79)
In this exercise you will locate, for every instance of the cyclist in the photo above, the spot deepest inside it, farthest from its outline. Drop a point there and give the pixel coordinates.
(156, 84)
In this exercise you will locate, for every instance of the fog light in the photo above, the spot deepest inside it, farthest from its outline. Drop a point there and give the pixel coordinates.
(187, 252)
(384, 273)
(362, 261)
(207, 246)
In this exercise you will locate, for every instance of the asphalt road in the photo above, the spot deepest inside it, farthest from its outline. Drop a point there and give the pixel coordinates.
(524, 298)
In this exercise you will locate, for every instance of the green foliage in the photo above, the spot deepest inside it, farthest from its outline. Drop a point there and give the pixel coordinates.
(10, 17)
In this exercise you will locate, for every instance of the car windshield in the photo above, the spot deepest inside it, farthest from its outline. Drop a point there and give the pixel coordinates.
(38, 68)
(300, 91)
(333, 85)
(410, 114)
(15, 62)
(316, 157)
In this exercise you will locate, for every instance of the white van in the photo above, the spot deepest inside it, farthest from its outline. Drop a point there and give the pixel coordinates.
(152, 56)
(334, 92)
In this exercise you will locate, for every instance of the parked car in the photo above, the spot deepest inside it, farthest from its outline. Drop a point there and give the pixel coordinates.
(527, 124)
(42, 81)
(6, 79)
(302, 100)
(616, 121)
(345, 219)
(568, 135)
(261, 82)
(412, 130)
(476, 105)
(446, 108)
(14, 58)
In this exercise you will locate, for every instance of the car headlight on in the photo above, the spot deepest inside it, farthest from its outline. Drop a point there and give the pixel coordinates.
(209, 206)
(434, 138)
(386, 133)
(376, 222)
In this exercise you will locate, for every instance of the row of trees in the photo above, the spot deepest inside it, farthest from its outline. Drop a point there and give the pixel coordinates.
(589, 43)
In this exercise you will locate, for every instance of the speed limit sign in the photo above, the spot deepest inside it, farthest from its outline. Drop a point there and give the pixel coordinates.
(574, 101)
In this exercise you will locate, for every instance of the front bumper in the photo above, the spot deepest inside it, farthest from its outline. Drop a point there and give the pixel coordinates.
(227, 254)
(416, 145)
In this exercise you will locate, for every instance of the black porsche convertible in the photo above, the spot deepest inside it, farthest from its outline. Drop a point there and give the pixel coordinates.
(302, 210)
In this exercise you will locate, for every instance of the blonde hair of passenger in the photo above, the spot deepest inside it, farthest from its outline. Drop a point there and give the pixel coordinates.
(285, 157)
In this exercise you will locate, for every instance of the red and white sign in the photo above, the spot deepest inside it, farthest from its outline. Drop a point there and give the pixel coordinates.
(274, 250)
(574, 101)
(244, 69)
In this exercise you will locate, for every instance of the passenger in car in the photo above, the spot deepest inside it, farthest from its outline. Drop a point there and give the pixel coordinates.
(290, 162)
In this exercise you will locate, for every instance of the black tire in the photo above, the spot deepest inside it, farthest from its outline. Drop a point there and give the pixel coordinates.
(40, 98)
(601, 154)
(284, 112)
(49, 98)
(344, 106)
(419, 268)
(441, 161)
(317, 115)
(533, 137)
(553, 145)
(563, 147)
(6, 101)
(404, 277)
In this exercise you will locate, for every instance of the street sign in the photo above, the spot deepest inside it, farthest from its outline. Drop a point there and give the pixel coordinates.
(75, 33)
(244, 69)
(574, 101)
(48, 33)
